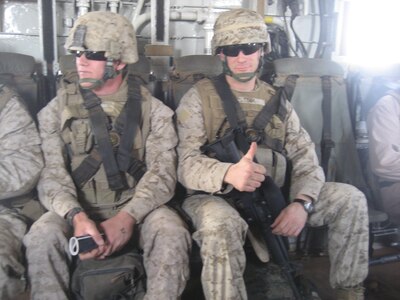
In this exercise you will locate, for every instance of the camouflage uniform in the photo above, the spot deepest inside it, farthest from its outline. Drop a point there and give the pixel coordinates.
(64, 124)
(20, 165)
(221, 232)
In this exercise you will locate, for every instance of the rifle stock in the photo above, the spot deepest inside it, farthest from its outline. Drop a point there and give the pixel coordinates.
(259, 208)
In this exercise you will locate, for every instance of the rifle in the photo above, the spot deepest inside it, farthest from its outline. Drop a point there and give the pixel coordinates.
(260, 208)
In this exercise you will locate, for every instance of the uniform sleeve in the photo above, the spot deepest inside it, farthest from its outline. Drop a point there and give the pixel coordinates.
(157, 186)
(56, 189)
(307, 176)
(196, 171)
(20, 155)
(384, 138)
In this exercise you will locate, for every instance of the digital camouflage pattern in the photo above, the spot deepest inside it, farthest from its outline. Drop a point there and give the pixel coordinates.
(21, 158)
(165, 240)
(220, 232)
(106, 31)
(20, 165)
(239, 26)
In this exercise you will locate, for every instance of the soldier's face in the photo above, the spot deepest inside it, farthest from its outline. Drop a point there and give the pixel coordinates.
(88, 68)
(243, 63)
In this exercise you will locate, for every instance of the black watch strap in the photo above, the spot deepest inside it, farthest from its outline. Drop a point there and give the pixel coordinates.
(307, 205)
(71, 214)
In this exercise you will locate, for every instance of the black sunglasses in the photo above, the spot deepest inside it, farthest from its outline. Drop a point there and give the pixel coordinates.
(234, 50)
(92, 55)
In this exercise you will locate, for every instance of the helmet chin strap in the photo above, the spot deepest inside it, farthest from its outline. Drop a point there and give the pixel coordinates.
(241, 77)
(109, 73)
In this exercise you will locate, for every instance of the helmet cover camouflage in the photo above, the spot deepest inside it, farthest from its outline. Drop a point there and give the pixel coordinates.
(104, 31)
(238, 26)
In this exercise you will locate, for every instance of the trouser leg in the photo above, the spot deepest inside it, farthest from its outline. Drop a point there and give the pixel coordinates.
(12, 270)
(48, 258)
(343, 208)
(391, 201)
(220, 233)
(166, 243)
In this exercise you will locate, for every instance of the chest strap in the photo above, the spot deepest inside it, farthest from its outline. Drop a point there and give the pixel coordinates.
(229, 100)
(127, 124)
(100, 126)
(234, 112)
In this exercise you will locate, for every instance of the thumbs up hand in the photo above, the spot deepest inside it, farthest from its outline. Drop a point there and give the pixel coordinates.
(246, 175)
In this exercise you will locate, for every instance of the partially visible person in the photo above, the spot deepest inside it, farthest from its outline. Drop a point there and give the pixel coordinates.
(110, 166)
(239, 40)
(384, 150)
(20, 164)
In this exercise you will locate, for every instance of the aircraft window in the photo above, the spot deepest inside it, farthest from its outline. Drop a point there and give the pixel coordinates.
(368, 32)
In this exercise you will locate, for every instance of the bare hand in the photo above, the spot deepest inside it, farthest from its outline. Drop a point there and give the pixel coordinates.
(246, 175)
(118, 230)
(85, 226)
(290, 221)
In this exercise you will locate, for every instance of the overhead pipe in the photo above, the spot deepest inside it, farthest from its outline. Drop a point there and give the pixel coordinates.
(138, 9)
(114, 5)
(83, 7)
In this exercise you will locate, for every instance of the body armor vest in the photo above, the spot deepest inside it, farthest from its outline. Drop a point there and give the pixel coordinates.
(95, 195)
(251, 103)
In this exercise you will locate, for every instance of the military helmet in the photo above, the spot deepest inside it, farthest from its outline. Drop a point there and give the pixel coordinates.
(104, 31)
(238, 26)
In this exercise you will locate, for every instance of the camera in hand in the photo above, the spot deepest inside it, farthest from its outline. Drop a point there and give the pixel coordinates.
(81, 244)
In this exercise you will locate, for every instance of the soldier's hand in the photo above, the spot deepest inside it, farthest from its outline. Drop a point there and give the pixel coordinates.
(246, 175)
(118, 230)
(85, 226)
(290, 221)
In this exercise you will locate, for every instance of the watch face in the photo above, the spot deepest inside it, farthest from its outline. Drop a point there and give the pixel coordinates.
(309, 207)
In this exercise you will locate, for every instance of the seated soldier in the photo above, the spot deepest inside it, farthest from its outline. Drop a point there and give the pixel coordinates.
(203, 116)
(109, 149)
(20, 165)
(384, 150)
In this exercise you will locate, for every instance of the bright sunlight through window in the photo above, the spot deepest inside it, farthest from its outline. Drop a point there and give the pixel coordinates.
(370, 32)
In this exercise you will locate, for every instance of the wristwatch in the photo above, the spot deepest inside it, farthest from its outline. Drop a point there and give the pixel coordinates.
(71, 214)
(307, 205)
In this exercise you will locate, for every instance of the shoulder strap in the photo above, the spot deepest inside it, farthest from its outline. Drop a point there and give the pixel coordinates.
(100, 127)
(290, 84)
(127, 123)
(275, 106)
(327, 144)
(229, 101)
(129, 120)
(228, 98)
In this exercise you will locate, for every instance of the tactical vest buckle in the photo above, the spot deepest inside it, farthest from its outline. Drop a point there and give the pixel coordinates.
(253, 135)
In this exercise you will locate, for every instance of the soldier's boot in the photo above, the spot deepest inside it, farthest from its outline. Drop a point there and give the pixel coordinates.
(351, 293)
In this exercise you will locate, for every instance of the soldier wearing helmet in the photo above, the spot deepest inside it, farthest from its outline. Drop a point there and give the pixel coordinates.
(109, 148)
(237, 101)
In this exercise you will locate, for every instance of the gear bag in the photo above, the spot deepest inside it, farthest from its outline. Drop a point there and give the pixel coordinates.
(118, 277)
